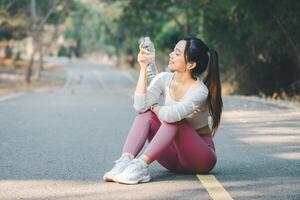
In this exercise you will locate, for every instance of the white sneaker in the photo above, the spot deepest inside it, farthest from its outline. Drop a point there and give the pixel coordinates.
(137, 171)
(119, 166)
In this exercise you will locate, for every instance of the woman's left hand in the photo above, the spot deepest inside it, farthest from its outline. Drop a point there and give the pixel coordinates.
(156, 110)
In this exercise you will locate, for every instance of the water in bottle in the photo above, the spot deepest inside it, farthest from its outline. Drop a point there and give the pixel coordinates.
(151, 68)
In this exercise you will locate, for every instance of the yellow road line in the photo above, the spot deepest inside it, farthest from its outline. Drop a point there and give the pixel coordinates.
(214, 187)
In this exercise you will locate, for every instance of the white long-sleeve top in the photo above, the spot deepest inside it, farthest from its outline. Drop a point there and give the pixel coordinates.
(192, 106)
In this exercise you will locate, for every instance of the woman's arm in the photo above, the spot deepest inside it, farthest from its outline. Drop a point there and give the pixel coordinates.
(143, 101)
(145, 96)
(155, 108)
(180, 110)
(141, 86)
(144, 57)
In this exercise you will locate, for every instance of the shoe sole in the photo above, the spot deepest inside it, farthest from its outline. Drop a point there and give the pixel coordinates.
(110, 178)
(144, 180)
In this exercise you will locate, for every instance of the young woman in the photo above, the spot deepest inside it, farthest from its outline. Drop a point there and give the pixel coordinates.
(178, 133)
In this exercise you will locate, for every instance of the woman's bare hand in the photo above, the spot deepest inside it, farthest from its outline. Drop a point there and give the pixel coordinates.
(156, 110)
(145, 57)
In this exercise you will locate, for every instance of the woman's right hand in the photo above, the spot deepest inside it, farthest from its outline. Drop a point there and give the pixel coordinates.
(145, 57)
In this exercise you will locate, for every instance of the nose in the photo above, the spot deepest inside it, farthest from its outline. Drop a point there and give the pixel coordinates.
(171, 54)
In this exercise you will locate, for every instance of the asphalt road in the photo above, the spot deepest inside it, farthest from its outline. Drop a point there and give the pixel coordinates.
(58, 145)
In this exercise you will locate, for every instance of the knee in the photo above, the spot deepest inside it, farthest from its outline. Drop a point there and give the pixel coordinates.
(147, 115)
(181, 122)
(171, 126)
(147, 112)
(185, 126)
(179, 125)
(168, 124)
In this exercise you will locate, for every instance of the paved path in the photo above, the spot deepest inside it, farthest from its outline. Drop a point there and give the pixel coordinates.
(58, 145)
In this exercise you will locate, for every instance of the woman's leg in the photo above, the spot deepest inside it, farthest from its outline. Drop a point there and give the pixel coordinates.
(138, 133)
(194, 154)
(145, 126)
(162, 147)
(168, 158)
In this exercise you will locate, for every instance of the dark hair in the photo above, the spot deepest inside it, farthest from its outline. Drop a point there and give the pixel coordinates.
(197, 51)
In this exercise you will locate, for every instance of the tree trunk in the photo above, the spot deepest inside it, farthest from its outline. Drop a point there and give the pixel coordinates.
(40, 65)
(36, 30)
(29, 69)
(33, 33)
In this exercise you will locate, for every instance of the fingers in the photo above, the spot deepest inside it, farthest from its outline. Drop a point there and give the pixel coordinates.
(144, 51)
(141, 45)
(143, 58)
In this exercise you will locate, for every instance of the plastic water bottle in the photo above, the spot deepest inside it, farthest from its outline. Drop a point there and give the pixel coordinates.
(151, 68)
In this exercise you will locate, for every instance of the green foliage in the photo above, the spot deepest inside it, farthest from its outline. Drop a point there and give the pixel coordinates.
(14, 19)
(15, 16)
(278, 75)
(256, 38)
(93, 26)
(257, 41)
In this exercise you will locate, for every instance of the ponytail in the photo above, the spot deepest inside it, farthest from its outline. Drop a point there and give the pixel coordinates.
(214, 99)
(207, 61)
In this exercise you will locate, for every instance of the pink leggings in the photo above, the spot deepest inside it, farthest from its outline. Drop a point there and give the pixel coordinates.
(176, 146)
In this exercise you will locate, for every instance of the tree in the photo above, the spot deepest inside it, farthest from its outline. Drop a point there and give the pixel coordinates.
(52, 17)
(20, 19)
(253, 36)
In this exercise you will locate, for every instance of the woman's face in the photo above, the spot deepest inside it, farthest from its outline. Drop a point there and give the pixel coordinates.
(176, 60)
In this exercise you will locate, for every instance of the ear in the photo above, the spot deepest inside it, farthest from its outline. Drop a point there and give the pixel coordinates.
(191, 65)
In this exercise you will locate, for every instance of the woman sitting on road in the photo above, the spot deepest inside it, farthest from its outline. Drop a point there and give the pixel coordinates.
(178, 133)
